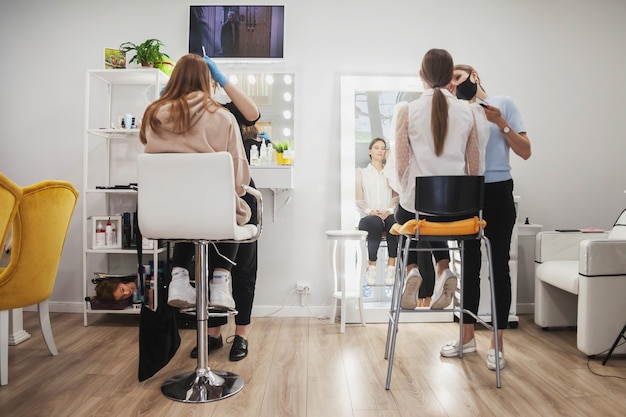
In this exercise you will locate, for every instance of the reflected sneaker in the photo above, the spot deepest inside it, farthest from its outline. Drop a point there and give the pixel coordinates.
(412, 287)
(370, 275)
(444, 290)
(180, 293)
(491, 360)
(220, 292)
(452, 349)
(390, 275)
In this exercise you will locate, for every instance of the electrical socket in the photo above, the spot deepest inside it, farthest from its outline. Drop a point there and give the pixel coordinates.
(303, 287)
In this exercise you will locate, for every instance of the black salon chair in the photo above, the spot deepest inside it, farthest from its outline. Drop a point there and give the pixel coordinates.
(448, 199)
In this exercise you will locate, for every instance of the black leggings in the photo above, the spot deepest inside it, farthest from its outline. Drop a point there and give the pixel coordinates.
(499, 212)
(375, 226)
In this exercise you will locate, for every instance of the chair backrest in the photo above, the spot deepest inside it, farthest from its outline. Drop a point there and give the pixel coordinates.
(39, 232)
(187, 196)
(10, 196)
(619, 228)
(453, 196)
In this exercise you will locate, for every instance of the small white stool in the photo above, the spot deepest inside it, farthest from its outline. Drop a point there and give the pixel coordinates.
(347, 250)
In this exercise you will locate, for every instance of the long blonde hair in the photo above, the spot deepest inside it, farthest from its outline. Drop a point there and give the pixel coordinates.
(437, 70)
(190, 74)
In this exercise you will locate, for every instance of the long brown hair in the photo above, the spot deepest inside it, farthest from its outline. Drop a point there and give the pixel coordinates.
(190, 74)
(437, 70)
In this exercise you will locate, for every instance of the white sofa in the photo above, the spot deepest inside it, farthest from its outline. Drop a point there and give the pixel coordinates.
(580, 280)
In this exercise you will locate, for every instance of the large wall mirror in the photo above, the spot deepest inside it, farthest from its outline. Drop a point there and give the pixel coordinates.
(273, 93)
(367, 105)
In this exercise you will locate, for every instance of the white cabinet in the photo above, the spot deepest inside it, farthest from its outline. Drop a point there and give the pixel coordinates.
(109, 160)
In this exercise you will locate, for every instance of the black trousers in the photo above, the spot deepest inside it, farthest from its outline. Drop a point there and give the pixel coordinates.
(244, 274)
(499, 212)
(375, 226)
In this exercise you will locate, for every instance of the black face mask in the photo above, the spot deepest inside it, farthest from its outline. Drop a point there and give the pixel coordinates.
(467, 89)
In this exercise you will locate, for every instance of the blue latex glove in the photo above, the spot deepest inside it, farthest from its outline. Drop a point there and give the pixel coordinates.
(265, 136)
(216, 74)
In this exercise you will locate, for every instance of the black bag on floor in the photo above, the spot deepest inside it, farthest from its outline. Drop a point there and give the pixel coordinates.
(158, 331)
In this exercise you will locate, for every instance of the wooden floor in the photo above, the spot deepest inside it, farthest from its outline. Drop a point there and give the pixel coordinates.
(303, 367)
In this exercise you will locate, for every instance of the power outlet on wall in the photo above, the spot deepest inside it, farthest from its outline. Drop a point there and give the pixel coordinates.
(303, 287)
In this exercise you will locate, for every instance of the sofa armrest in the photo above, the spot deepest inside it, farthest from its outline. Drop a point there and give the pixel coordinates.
(562, 246)
(602, 257)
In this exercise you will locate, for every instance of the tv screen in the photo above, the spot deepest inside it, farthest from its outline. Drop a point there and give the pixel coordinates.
(240, 32)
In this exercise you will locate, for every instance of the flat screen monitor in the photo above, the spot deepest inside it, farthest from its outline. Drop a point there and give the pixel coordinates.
(237, 32)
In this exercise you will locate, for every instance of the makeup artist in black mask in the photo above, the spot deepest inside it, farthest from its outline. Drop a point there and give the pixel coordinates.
(506, 132)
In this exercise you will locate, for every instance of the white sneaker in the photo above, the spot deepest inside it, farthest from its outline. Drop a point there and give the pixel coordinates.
(491, 359)
(445, 286)
(220, 294)
(390, 275)
(412, 287)
(180, 292)
(451, 349)
(370, 275)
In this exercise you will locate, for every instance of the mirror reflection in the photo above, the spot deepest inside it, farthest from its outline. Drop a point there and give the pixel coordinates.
(273, 93)
(367, 107)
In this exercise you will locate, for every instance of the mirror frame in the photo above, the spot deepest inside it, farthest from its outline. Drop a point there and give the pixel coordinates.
(350, 86)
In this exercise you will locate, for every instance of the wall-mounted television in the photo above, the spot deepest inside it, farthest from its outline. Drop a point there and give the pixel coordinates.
(237, 32)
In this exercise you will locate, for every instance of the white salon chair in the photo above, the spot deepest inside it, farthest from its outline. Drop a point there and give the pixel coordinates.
(191, 197)
(580, 280)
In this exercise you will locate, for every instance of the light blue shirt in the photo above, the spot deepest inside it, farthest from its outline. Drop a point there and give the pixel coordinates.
(497, 166)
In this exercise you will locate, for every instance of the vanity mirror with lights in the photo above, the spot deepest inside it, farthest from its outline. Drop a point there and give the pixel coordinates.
(367, 106)
(273, 93)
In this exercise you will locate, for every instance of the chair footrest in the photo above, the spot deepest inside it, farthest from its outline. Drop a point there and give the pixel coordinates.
(214, 311)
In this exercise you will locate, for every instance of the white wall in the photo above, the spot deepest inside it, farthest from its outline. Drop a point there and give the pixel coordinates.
(562, 61)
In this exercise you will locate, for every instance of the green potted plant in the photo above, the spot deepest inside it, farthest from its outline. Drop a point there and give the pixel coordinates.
(148, 53)
(280, 148)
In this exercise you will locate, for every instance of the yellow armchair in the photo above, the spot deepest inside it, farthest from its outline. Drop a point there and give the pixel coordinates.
(10, 196)
(39, 231)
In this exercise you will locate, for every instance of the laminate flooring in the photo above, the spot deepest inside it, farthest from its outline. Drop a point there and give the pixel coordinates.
(303, 367)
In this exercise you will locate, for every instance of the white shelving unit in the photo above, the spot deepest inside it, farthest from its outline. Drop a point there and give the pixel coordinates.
(109, 159)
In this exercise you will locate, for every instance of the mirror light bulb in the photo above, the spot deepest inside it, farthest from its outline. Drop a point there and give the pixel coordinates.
(233, 79)
(287, 96)
(269, 78)
(251, 79)
(288, 80)
(287, 114)
(286, 132)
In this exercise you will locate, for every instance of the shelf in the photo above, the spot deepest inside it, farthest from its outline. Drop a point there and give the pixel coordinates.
(136, 76)
(128, 310)
(115, 133)
(131, 251)
(272, 176)
(109, 159)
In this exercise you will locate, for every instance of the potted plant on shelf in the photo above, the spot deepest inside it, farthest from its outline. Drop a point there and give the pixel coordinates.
(147, 54)
(282, 157)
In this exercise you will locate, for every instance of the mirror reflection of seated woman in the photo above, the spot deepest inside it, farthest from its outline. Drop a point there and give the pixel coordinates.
(377, 202)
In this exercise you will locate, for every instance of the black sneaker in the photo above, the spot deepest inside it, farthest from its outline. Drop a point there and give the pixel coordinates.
(239, 350)
(214, 343)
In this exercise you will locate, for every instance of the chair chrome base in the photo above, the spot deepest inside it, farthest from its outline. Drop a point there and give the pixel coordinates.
(204, 384)
(191, 387)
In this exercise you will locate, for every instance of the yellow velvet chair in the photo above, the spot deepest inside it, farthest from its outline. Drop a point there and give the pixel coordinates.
(10, 196)
(39, 231)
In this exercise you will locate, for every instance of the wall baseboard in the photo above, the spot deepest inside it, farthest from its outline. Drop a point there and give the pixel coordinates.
(525, 308)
